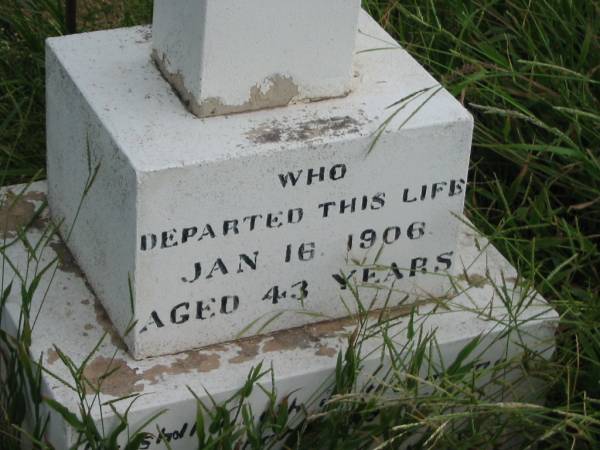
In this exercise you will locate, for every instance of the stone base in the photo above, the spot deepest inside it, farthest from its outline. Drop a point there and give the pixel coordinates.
(303, 359)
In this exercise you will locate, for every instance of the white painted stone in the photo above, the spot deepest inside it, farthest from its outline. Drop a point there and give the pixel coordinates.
(226, 56)
(162, 171)
(303, 360)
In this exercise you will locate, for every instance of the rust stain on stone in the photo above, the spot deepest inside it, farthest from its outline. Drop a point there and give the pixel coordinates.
(19, 211)
(276, 131)
(248, 350)
(104, 321)
(194, 361)
(66, 261)
(112, 377)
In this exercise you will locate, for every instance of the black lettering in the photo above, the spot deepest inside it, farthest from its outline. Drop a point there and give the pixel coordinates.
(344, 206)
(167, 238)
(298, 212)
(446, 259)
(456, 187)
(343, 280)
(225, 302)
(405, 197)
(154, 320)
(248, 261)
(183, 318)
(273, 221)
(252, 220)
(436, 188)
(197, 273)
(393, 273)
(208, 231)
(418, 264)
(396, 235)
(378, 201)
(311, 175)
(293, 179)
(416, 230)
(364, 203)
(145, 245)
(338, 172)
(220, 266)
(201, 309)
(368, 275)
(325, 207)
(188, 233)
(230, 225)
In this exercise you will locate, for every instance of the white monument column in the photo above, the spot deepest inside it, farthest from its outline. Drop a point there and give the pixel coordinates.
(231, 56)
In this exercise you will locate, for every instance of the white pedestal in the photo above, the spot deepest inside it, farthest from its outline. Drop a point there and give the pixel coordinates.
(303, 359)
(231, 221)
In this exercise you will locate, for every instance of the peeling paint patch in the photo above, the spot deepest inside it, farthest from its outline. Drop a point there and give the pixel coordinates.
(326, 351)
(52, 356)
(275, 90)
(194, 362)
(277, 131)
(19, 211)
(288, 340)
(121, 380)
(280, 91)
(248, 350)
(330, 328)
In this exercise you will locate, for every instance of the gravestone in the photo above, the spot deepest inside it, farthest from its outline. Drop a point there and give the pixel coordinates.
(198, 231)
(272, 167)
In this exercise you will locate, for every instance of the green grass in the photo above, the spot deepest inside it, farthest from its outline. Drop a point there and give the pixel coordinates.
(529, 71)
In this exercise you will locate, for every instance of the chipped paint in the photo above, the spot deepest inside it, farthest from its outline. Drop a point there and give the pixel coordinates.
(295, 338)
(194, 361)
(122, 379)
(18, 212)
(248, 350)
(277, 131)
(323, 350)
(51, 356)
(276, 90)
(281, 91)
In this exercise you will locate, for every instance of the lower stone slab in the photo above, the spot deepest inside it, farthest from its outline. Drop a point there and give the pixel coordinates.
(488, 300)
